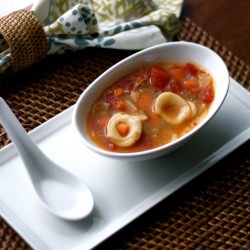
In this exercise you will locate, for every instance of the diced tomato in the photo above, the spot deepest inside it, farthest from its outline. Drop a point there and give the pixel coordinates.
(111, 99)
(115, 102)
(173, 86)
(206, 95)
(126, 84)
(159, 78)
(191, 69)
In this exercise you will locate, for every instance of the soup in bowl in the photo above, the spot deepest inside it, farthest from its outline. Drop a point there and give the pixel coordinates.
(152, 102)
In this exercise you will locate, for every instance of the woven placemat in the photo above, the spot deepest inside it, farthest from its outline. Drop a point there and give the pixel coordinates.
(215, 216)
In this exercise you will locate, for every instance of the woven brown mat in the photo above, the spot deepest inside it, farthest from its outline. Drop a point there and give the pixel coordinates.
(212, 212)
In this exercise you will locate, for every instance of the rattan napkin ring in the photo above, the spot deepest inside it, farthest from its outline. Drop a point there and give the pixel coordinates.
(25, 37)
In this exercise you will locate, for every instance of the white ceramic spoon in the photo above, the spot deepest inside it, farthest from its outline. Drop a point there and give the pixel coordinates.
(60, 192)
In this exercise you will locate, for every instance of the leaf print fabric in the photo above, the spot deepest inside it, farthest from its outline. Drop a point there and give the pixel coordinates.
(118, 24)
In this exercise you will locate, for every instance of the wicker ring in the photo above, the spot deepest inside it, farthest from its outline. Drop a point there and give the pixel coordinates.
(25, 37)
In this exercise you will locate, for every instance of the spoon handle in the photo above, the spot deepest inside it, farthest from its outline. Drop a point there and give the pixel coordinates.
(62, 193)
(27, 149)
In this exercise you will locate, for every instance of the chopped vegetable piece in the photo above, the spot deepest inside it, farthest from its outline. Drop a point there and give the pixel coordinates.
(206, 95)
(189, 84)
(127, 84)
(123, 129)
(118, 91)
(159, 78)
(178, 73)
(173, 86)
(192, 69)
(145, 102)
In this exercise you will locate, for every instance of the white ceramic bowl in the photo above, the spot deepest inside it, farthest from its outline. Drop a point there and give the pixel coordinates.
(173, 51)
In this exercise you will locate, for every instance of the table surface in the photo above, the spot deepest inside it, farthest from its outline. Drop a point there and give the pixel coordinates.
(227, 21)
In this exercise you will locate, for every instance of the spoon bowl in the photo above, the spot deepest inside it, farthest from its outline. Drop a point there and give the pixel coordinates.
(62, 193)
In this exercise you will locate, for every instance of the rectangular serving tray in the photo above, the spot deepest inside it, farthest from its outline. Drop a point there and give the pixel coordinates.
(122, 190)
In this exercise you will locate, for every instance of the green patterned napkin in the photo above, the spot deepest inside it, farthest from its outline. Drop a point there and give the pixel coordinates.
(117, 24)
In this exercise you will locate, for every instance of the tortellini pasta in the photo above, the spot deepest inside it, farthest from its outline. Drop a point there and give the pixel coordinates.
(134, 133)
(173, 108)
(193, 108)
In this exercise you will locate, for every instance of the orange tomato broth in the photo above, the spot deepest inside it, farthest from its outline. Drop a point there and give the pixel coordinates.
(135, 94)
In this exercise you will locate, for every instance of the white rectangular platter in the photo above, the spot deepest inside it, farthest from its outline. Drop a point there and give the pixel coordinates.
(122, 190)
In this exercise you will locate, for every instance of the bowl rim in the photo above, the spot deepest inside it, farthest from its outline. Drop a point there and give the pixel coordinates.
(154, 152)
